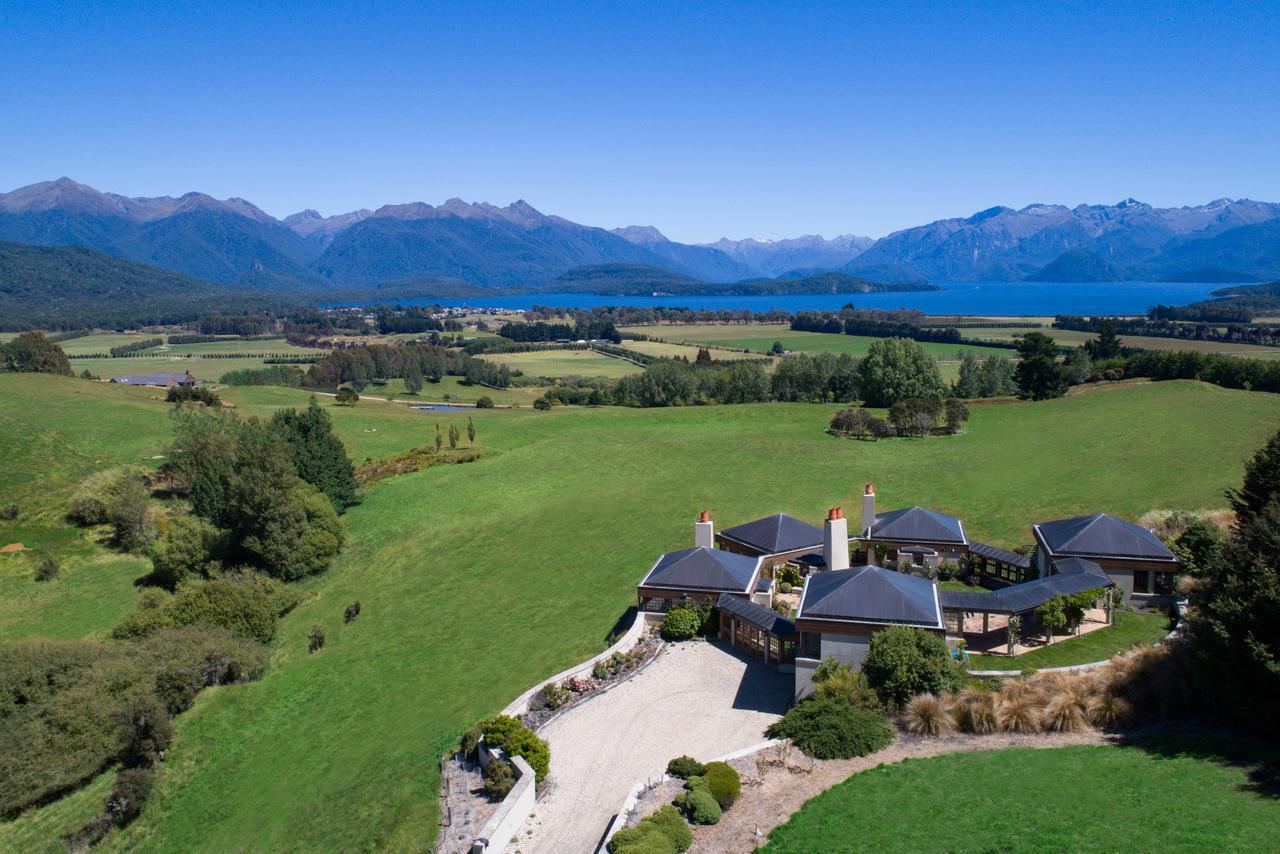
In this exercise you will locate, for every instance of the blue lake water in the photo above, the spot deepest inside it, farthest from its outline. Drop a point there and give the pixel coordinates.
(994, 298)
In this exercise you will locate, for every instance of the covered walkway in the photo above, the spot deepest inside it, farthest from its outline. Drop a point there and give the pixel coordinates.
(757, 631)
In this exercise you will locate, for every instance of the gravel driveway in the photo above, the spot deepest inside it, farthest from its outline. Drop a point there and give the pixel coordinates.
(696, 698)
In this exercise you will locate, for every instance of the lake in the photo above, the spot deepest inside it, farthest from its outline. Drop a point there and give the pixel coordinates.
(984, 298)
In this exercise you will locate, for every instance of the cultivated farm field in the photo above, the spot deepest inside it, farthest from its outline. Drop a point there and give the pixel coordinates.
(482, 579)
(566, 363)
(760, 336)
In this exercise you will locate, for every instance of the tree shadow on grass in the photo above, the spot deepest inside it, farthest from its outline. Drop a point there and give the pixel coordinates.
(1259, 759)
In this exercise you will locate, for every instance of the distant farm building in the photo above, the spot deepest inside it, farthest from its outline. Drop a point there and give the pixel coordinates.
(161, 380)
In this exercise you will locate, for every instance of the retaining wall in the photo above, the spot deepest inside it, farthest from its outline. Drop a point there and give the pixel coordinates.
(502, 826)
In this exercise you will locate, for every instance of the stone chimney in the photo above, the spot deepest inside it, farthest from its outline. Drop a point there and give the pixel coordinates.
(704, 535)
(868, 510)
(835, 539)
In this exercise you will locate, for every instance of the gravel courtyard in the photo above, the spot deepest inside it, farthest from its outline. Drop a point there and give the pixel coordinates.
(696, 698)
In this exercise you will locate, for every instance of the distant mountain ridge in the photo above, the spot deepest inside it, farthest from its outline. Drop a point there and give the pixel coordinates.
(644, 280)
(231, 241)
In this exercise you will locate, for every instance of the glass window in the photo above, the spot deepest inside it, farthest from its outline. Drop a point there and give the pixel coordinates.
(810, 645)
(1164, 583)
(1141, 581)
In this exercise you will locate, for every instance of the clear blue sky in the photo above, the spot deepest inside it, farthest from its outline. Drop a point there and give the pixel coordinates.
(739, 119)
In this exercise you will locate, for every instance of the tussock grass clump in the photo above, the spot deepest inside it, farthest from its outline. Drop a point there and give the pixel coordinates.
(1018, 711)
(975, 711)
(1065, 713)
(1109, 711)
(927, 714)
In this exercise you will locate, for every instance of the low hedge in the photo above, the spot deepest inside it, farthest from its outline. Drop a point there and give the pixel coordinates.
(685, 767)
(672, 832)
(831, 728)
(698, 806)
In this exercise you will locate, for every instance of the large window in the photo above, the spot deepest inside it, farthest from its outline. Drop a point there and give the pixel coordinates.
(1141, 581)
(810, 645)
(1164, 583)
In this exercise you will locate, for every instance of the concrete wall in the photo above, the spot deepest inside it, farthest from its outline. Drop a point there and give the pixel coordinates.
(804, 677)
(849, 649)
(503, 825)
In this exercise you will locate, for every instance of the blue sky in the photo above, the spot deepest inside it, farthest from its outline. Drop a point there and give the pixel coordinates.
(738, 119)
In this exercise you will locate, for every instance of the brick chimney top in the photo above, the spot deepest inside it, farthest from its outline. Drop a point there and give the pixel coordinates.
(871, 490)
(704, 516)
(834, 513)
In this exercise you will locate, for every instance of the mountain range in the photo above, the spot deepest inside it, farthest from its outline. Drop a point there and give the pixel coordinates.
(231, 241)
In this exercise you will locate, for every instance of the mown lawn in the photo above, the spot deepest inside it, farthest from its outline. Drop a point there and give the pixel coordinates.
(479, 580)
(1169, 796)
(566, 363)
(1129, 629)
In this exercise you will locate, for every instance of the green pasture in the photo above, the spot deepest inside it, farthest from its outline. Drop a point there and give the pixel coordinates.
(566, 363)
(760, 337)
(1168, 795)
(1129, 629)
(479, 580)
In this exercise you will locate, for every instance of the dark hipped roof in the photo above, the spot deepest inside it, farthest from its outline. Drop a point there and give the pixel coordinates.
(153, 379)
(1101, 535)
(993, 553)
(702, 569)
(1075, 575)
(761, 618)
(871, 594)
(918, 523)
(775, 534)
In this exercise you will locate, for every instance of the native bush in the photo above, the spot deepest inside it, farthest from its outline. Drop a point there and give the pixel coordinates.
(723, 783)
(837, 679)
(673, 826)
(503, 732)
(926, 714)
(189, 546)
(315, 641)
(641, 839)
(902, 662)
(698, 806)
(499, 779)
(351, 612)
(133, 787)
(484, 402)
(685, 767)
(554, 695)
(975, 711)
(830, 728)
(47, 570)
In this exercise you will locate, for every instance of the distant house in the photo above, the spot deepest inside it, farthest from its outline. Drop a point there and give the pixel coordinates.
(915, 535)
(161, 380)
(841, 609)
(1133, 557)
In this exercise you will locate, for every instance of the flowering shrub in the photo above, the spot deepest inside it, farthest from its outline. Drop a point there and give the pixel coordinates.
(578, 684)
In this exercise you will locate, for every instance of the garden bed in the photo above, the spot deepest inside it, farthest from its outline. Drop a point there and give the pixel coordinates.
(556, 698)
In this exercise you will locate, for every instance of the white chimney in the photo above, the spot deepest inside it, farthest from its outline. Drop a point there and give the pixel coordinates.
(835, 539)
(868, 510)
(704, 535)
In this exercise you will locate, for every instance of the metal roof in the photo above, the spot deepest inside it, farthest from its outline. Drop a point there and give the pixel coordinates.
(1076, 577)
(761, 618)
(153, 379)
(919, 524)
(703, 569)
(1102, 535)
(1011, 558)
(871, 594)
(775, 534)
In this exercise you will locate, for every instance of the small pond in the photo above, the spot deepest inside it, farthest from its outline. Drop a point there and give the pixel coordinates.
(442, 407)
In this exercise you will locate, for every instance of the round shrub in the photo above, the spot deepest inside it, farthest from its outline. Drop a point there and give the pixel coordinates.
(902, 662)
(723, 783)
(830, 728)
(244, 608)
(682, 622)
(484, 402)
(673, 826)
(498, 780)
(641, 839)
(698, 806)
(685, 767)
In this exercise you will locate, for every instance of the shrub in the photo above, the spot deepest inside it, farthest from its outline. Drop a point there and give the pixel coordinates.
(10, 512)
(315, 642)
(903, 662)
(641, 839)
(133, 787)
(498, 780)
(788, 574)
(685, 767)
(502, 732)
(975, 711)
(681, 623)
(350, 613)
(1064, 713)
(723, 783)
(542, 403)
(851, 685)
(47, 570)
(925, 714)
(241, 607)
(1017, 710)
(1109, 711)
(831, 728)
(784, 587)
(484, 402)
(189, 546)
(673, 826)
(148, 732)
(150, 613)
(698, 806)
(554, 696)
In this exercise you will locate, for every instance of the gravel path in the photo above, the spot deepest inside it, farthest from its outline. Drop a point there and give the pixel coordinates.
(696, 698)
(767, 804)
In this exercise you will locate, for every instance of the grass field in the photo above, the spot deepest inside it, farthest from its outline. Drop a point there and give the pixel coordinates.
(662, 349)
(1165, 796)
(479, 580)
(566, 363)
(1130, 628)
(760, 337)
(200, 359)
(1074, 338)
